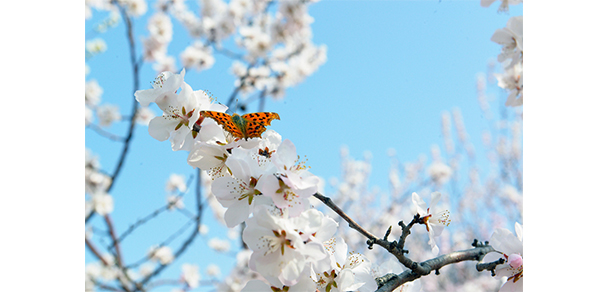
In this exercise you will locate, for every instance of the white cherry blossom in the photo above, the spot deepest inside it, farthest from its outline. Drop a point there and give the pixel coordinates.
(347, 272)
(190, 274)
(162, 254)
(435, 219)
(292, 185)
(511, 247)
(240, 191)
(304, 283)
(103, 203)
(511, 39)
(180, 111)
(278, 249)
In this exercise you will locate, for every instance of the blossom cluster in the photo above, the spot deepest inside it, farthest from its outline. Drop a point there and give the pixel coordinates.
(262, 182)
(259, 181)
(511, 40)
(274, 45)
(96, 184)
(275, 40)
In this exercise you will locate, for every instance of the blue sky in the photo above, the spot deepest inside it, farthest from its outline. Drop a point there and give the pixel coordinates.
(393, 67)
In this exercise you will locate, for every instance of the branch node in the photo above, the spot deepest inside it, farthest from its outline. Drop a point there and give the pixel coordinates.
(387, 233)
(370, 243)
(384, 279)
(491, 266)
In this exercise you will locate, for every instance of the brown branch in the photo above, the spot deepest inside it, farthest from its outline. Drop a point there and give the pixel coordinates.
(136, 85)
(435, 264)
(112, 234)
(490, 266)
(149, 217)
(406, 230)
(104, 133)
(117, 250)
(352, 224)
(391, 247)
(188, 241)
(95, 252)
(104, 287)
(138, 223)
(242, 81)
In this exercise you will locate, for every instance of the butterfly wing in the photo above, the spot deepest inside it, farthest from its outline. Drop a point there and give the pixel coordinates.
(225, 121)
(257, 123)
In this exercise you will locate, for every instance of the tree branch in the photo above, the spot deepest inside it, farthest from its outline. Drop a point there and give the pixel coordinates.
(148, 217)
(95, 252)
(188, 241)
(136, 85)
(242, 81)
(391, 247)
(112, 234)
(490, 266)
(352, 224)
(474, 254)
(104, 133)
(415, 269)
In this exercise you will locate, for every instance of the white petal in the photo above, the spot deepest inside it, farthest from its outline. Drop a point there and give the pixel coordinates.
(256, 286)
(146, 96)
(519, 231)
(436, 196)
(292, 270)
(182, 139)
(346, 281)
(420, 204)
(502, 36)
(286, 154)
(161, 127)
(237, 213)
(432, 243)
(515, 24)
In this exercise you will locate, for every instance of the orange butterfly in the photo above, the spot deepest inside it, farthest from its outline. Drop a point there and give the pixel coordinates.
(247, 126)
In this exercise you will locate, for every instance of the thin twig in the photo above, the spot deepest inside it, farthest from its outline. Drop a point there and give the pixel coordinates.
(226, 52)
(352, 224)
(104, 287)
(152, 215)
(136, 85)
(95, 252)
(391, 247)
(241, 83)
(105, 133)
(189, 240)
(112, 234)
(140, 222)
(406, 230)
(118, 257)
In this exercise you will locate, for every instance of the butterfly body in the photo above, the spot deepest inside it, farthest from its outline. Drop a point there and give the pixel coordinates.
(244, 127)
(240, 123)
